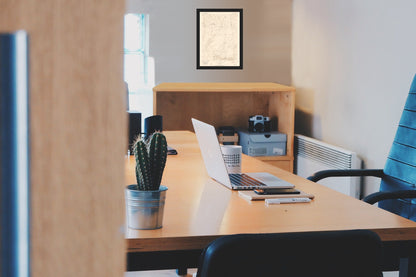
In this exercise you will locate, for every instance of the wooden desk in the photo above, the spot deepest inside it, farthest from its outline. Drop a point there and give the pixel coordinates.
(198, 210)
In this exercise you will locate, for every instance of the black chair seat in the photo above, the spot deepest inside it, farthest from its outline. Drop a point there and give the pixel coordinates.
(336, 253)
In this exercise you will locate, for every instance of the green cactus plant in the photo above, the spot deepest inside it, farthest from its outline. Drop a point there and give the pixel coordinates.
(150, 161)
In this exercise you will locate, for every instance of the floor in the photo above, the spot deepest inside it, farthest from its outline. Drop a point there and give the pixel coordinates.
(192, 273)
(159, 273)
(391, 274)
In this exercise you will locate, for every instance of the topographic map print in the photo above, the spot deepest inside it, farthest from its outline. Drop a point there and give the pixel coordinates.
(220, 39)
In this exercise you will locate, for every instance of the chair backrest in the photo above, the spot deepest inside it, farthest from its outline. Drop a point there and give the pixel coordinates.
(400, 168)
(336, 253)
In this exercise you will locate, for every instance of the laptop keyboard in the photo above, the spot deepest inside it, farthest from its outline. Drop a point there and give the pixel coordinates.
(244, 181)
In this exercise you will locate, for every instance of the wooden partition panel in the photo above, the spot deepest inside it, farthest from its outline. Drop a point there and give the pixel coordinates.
(78, 133)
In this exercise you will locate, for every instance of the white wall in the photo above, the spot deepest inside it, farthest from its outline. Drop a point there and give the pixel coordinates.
(266, 40)
(352, 64)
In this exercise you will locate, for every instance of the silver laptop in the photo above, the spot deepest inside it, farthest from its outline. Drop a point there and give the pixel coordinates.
(217, 170)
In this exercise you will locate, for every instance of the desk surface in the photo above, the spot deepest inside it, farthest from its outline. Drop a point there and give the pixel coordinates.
(198, 209)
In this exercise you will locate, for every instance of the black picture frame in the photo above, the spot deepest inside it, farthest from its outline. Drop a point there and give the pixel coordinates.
(218, 28)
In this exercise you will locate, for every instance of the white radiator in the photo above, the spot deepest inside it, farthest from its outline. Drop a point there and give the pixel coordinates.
(312, 155)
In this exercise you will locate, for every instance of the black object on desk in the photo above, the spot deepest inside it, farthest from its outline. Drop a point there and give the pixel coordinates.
(135, 127)
(227, 135)
(152, 124)
(172, 151)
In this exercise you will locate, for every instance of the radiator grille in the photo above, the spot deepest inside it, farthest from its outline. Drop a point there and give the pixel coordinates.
(323, 153)
(312, 155)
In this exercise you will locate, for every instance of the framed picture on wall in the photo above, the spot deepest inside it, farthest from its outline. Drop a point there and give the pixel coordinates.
(219, 38)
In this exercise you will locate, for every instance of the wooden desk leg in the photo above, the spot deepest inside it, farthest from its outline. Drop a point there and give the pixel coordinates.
(407, 267)
(182, 271)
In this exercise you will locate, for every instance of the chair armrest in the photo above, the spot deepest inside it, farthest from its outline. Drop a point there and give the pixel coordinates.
(384, 195)
(345, 173)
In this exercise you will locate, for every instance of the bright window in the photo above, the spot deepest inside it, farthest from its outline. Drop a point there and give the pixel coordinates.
(138, 65)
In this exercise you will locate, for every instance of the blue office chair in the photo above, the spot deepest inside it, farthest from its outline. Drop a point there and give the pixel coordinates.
(335, 253)
(397, 189)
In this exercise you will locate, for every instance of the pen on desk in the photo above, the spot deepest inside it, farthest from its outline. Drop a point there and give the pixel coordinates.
(287, 200)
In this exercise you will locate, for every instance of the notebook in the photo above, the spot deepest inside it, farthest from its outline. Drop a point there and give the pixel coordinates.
(252, 196)
(217, 170)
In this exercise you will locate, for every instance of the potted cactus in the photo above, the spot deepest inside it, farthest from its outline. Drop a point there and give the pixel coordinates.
(145, 200)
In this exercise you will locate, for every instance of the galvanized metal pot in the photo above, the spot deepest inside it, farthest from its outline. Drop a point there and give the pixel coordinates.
(144, 209)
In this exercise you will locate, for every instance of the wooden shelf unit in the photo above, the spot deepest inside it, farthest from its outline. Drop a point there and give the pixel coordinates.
(228, 104)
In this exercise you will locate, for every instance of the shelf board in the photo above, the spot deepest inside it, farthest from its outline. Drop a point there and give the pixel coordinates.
(222, 87)
(275, 158)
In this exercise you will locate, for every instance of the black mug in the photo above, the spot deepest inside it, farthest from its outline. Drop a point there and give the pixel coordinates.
(152, 124)
(135, 128)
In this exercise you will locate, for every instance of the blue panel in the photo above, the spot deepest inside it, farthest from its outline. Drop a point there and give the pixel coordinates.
(411, 102)
(406, 136)
(14, 156)
(402, 207)
(413, 86)
(404, 154)
(408, 119)
(400, 168)
(400, 171)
